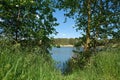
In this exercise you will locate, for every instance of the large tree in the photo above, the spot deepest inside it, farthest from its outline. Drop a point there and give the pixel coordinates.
(97, 18)
(28, 19)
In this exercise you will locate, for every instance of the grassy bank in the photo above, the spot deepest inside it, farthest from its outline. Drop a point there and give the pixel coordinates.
(103, 66)
(22, 64)
(26, 65)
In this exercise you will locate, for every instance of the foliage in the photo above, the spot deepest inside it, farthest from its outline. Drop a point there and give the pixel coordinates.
(33, 21)
(28, 20)
(99, 19)
(65, 41)
(78, 61)
(105, 66)
(22, 63)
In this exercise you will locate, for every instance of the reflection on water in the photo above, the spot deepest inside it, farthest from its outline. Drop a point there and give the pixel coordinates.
(61, 56)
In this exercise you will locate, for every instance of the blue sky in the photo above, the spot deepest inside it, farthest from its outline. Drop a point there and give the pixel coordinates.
(65, 30)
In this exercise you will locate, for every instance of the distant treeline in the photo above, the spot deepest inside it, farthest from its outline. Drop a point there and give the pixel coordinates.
(78, 41)
(65, 41)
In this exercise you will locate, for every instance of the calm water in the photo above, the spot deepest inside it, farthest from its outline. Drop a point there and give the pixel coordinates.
(61, 56)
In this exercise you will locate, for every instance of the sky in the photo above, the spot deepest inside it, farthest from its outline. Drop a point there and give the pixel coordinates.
(65, 30)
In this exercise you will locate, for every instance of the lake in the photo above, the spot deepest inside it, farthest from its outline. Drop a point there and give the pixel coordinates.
(61, 56)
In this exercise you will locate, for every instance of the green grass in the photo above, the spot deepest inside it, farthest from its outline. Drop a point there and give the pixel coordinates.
(26, 65)
(103, 66)
(22, 64)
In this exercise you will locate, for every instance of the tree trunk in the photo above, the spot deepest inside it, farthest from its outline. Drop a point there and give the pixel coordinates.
(17, 26)
(87, 46)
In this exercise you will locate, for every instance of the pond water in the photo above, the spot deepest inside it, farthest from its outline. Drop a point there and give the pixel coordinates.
(61, 56)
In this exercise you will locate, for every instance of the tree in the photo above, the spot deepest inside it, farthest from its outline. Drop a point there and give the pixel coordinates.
(105, 19)
(97, 18)
(28, 19)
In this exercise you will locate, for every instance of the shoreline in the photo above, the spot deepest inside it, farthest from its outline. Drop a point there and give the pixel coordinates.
(66, 45)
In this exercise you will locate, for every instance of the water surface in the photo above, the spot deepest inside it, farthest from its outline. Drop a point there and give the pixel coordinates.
(61, 56)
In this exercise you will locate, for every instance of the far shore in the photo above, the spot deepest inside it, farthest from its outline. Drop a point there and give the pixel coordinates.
(81, 46)
(66, 45)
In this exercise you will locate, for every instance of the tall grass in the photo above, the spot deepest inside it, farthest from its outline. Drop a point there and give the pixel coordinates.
(27, 64)
(103, 66)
